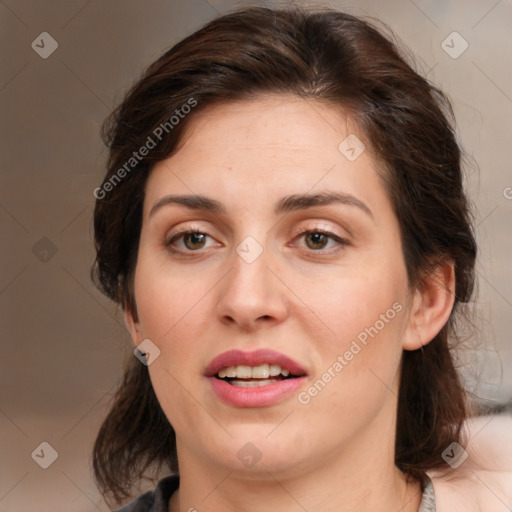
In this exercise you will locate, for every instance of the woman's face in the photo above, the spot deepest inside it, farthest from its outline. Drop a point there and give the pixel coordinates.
(319, 288)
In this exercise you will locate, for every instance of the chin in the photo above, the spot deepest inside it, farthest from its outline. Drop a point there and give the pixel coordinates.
(262, 449)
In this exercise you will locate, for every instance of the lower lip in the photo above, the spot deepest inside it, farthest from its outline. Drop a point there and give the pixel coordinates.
(259, 396)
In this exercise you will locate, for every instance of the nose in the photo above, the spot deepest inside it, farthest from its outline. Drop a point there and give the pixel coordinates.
(251, 295)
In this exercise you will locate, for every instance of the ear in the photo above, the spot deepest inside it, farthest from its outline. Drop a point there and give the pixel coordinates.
(431, 307)
(132, 325)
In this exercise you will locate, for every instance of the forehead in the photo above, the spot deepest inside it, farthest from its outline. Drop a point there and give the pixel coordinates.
(279, 120)
(272, 145)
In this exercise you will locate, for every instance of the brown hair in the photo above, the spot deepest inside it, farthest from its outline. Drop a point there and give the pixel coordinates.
(328, 56)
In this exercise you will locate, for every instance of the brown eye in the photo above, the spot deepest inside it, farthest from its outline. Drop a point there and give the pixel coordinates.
(318, 240)
(187, 241)
(195, 240)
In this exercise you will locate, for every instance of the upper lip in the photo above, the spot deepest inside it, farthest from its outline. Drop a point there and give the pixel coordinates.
(253, 358)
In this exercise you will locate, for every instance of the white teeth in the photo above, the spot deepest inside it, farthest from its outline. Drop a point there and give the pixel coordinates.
(243, 372)
(275, 370)
(263, 371)
(230, 372)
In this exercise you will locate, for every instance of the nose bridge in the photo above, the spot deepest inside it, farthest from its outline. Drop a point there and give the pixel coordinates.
(249, 274)
(250, 265)
(251, 292)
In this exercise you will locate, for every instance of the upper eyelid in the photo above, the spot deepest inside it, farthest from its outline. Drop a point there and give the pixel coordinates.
(198, 229)
(184, 230)
(316, 224)
(339, 239)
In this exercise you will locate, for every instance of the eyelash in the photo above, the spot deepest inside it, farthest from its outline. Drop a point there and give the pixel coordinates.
(342, 242)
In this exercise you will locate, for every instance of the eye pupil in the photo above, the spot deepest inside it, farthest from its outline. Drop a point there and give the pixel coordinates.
(195, 238)
(317, 239)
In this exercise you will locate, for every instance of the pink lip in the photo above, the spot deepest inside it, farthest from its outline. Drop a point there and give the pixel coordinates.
(260, 396)
(255, 358)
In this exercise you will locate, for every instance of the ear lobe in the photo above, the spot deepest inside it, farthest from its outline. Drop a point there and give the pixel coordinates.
(431, 307)
(132, 326)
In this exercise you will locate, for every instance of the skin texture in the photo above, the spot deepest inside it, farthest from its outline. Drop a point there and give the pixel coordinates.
(304, 298)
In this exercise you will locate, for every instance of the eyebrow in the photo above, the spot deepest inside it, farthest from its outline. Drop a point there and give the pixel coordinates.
(286, 204)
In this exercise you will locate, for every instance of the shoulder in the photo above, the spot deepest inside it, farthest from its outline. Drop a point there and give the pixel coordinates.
(156, 500)
(481, 476)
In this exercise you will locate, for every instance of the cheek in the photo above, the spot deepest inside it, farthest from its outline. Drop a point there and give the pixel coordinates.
(352, 306)
(167, 303)
(359, 359)
(358, 372)
(173, 314)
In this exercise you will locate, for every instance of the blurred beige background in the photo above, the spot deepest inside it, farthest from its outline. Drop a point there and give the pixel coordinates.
(62, 342)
